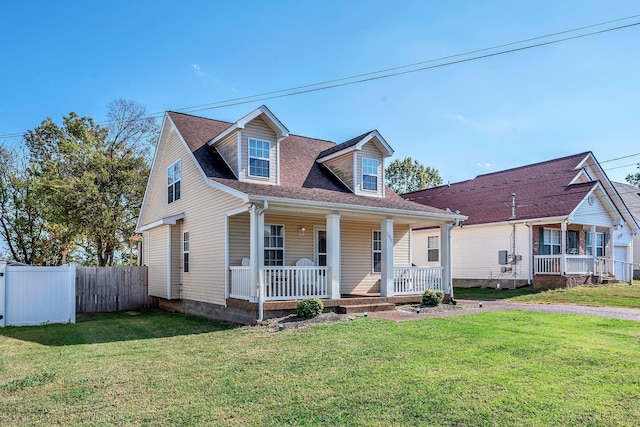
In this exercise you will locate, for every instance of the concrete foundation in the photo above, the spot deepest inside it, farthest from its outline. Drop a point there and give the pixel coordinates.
(489, 283)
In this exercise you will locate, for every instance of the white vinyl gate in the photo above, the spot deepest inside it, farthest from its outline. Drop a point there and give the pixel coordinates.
(37, 295)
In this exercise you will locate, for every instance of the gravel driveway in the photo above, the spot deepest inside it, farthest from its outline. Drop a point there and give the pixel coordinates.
(472, 307)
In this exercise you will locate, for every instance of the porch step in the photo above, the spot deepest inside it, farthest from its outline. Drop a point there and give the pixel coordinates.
(361, 308)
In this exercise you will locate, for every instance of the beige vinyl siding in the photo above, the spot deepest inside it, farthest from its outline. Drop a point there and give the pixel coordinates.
(401, 245)
(204, 211)
(239, 245)
(342, 167)
(156, 249)
(228, 149)
(157, 206)
(296, 246)
(176, 259)
(369, 151)
(474, 251)
(259, 129)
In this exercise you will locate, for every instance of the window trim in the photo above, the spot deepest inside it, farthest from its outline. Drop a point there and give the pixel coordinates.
(250, 157)
(173, 184)
(316, 252)
(271, 248)
(186, 243)
(589, 244)
(375, 251)
(431, 249)
(369, 174)
(551, 244)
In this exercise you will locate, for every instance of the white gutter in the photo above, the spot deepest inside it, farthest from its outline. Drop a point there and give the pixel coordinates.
(356, 208)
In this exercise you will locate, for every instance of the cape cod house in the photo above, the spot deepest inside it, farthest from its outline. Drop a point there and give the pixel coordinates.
(551, 224)
(242, 219)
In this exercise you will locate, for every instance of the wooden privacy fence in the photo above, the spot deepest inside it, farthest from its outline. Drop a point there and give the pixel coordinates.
(104, 289)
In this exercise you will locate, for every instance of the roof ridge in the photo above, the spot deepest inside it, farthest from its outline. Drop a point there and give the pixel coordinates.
(310, 137)
(585, 153)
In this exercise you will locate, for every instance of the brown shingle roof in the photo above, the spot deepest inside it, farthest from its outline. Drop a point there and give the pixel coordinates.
(339, 147)
(542, 190)
(301, 177)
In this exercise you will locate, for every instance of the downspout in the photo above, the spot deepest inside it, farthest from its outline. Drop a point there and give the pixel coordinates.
(260, 318)
(530, 249)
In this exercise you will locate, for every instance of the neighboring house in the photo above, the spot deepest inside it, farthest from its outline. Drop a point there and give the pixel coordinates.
(241, 219)
(551, 224)
(631, 197)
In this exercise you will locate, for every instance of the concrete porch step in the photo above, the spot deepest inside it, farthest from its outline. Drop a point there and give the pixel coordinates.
(361, 308)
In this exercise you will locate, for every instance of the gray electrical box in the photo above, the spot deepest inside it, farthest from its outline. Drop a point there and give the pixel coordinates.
(503, 257)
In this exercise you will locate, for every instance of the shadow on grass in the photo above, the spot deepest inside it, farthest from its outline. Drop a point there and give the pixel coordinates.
(491, 294)
(98, 328)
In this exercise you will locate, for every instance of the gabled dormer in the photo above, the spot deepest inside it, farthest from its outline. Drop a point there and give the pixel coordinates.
(251, 146)
(359, 163)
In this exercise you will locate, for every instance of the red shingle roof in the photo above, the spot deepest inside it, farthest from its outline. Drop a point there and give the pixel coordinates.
(301, 177)
(542, 191)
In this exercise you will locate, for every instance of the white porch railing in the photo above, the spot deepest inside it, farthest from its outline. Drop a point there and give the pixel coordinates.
(280, 283)
(295, 282)
(574, 264)
(241, 284)
(416, 280)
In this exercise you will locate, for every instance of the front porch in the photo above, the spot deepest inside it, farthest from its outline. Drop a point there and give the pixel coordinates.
(298, 282)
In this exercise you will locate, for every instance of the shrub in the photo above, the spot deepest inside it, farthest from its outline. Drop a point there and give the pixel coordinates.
(309, 307)
(432, 298)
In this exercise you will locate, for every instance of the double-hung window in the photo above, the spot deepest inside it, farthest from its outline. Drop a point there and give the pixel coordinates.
(433, 248)
(599, 244)
(174, 175)
(550, 244)
(273, 245)
(259, 157)
(369, 174)
(377, 251)
(185, 252)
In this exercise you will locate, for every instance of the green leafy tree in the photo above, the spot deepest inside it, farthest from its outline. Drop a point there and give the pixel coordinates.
(634, 178)
(29, 238)
(93, 177)
(406, 175)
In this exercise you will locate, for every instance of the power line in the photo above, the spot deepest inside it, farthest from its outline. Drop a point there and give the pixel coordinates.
(309, 88)
(620, 158)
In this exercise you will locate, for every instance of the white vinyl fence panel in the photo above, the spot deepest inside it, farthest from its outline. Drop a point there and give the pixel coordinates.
(37, 295)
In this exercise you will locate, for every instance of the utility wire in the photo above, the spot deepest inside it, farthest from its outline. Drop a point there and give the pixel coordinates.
(298, 90)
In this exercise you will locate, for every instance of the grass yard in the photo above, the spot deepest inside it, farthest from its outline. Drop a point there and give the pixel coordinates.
(497, 368)
(612, 295)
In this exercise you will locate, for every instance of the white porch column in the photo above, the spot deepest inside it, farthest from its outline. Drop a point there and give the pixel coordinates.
(445, 258)
(386, 272)
(594, 251)
(563, 248)
(260, 255)
(333, 255)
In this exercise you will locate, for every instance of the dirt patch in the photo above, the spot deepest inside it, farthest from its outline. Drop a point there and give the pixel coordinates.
(294, 322)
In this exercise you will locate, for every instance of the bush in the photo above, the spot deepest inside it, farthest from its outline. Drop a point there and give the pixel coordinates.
(309, 307)
(432, 298)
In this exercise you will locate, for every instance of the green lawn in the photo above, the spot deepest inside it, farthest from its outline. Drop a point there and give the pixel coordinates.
(612, 295)
(507, 368)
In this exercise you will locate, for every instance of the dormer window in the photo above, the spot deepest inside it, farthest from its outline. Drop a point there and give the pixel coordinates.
(174, 175)
(369, 174)
(259, 151)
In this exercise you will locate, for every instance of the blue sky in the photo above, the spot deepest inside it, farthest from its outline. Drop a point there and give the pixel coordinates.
(464, 120)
